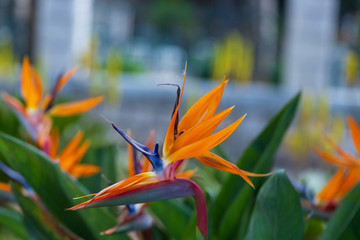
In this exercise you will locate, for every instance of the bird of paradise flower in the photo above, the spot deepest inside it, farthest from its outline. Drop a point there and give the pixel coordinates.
(348, 173)
(133, 217)
(192, 137)
(71, 155)
(38, 109)
(36, 115)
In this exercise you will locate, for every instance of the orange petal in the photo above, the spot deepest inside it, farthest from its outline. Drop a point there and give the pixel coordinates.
(216, 101)
(169, 138)
(14, 103)
(146, 167)
(84, 170)
(4, 187)
(187, 174)
(123, 186)
(38, 86)
(54, 146)
(200, 131)
(29, 85)
(150, 142)
(250, 174)
(73, 145)
(131, 166)
(26, 85)
(70, 161)
(332, 187)
(345, 155)
(68, 109)
(131, 181)
(337, 161)
(206, 105)
(46, 101)
(351, 179)
(205, 144)
(64, 79)
(212, 160)
(81, 205)
(355, 133)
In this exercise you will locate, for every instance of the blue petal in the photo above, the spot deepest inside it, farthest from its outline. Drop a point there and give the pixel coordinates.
(15, 176)
(131, 208)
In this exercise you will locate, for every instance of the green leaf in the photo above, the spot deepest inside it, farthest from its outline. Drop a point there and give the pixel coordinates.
(277, 213)
(105, 157)
(236, 196)
(12, 221)
(38, 221)
(344, 224)
(174, 215)
(55, 188)
(314, 227)
(8, 121)
(190, 232)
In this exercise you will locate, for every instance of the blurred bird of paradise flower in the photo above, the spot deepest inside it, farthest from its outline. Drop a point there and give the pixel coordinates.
(192, 137)
(71, 155)
(36, 112)
(348, 173)
(314, 119)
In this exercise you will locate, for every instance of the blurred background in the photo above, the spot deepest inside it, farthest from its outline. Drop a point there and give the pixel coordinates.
(269, 49)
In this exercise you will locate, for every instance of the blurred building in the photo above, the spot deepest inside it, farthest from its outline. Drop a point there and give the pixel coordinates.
(291, 42)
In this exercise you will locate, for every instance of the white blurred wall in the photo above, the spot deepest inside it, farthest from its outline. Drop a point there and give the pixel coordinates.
(63, 30)
(309, 42)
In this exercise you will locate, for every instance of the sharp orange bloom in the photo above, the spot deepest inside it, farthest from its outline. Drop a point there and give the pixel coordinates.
(348, 173)
(71, 155)
(37, 109)
(191, 137)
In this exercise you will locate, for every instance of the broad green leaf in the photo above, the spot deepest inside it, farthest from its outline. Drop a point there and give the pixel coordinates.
(55, 188)
(12, 221)
(277, 213)
(344, 224)
(40, 223)
(174, 215)
(189, 233)
(105, 157)
(159, 233)
(8, 121)
(236, 196)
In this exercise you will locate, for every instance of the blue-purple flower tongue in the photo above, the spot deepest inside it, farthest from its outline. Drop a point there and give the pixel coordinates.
(15, 176)
(153, 157)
